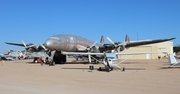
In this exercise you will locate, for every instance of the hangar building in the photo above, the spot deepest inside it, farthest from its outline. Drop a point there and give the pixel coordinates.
(158, 47)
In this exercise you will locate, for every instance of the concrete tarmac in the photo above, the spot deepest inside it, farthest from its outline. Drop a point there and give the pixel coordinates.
(140, 77)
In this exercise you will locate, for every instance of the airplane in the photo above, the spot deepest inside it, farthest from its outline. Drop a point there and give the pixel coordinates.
(72, 43)
(111, 59)
(176, 56)
(173, 61)
(6, 57)
(12, 55)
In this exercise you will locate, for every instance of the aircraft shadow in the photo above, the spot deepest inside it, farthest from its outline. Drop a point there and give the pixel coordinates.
(103, 69)
(75, 62)
(32, 63)
(172, 67)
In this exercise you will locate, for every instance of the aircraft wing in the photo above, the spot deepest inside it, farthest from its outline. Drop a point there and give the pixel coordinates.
(81, 53)
(124, 45)
(14, 44)
(18, 44)
(124, 53)
(29, 47)
(145, 42)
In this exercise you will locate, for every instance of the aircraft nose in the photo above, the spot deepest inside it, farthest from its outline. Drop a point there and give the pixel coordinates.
(51, 44)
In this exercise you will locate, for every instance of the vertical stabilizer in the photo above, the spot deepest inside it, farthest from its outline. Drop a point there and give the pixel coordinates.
(174, 54)
(9, 53)
(102, 40)
(127, 39)
(172, 59)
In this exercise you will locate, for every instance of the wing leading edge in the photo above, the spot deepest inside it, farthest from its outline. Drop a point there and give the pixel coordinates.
(138, 43)
(18, 44)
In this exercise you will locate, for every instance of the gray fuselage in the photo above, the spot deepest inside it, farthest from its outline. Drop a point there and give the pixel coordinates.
(69, 43)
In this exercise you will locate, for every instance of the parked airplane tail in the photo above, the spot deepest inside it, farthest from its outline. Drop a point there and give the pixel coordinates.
(172, 59)
(174, 54)
(102, 40)
(127, 39)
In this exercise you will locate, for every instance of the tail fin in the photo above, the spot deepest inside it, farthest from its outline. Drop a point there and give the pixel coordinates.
(20, 53)
(174, 54)
(172, 59)
(127, 39)
(102, 40)
(9, 53)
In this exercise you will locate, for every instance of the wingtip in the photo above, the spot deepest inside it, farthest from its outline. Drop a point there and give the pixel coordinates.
(172, 38)
(7, 42)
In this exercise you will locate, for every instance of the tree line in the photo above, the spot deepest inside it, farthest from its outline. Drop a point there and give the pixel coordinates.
(176, 49)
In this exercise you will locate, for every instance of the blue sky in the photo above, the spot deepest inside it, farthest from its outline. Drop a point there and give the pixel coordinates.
(35, 20)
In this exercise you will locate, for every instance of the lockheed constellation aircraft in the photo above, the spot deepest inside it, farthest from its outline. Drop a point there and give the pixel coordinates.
(72, 43)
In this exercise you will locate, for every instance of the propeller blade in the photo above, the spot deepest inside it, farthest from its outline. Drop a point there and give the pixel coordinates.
(118, 49)
(31, 46)
(93, 44)
(88, 48)
(110, 40)
(43, 47)
(24, 43)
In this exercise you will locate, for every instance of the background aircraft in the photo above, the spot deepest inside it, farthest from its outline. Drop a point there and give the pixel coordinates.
(71, 43)
(6, 57)
(176, 56)
(173, 61)
(12, 55)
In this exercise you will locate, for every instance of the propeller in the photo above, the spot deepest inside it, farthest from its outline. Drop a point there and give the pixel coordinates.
(43, 47)
(46, 50)
(24, 43)
(27, 47)
(117, 45)
(89, 49)
(111, 41)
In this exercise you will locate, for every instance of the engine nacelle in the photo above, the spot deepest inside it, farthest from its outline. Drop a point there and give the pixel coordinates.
(122, 48)
(95, 49)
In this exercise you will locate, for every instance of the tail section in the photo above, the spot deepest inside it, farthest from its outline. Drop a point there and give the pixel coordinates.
(102, 40)
(172, 59)
(127, 39)
(9, 53)
(174, 54)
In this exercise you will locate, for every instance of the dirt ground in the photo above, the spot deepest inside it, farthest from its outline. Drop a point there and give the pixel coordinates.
(140, 77)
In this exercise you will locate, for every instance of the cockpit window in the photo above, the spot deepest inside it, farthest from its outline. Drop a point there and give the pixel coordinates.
(55, 38)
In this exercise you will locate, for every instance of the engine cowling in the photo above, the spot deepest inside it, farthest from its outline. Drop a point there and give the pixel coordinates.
(122, 48)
